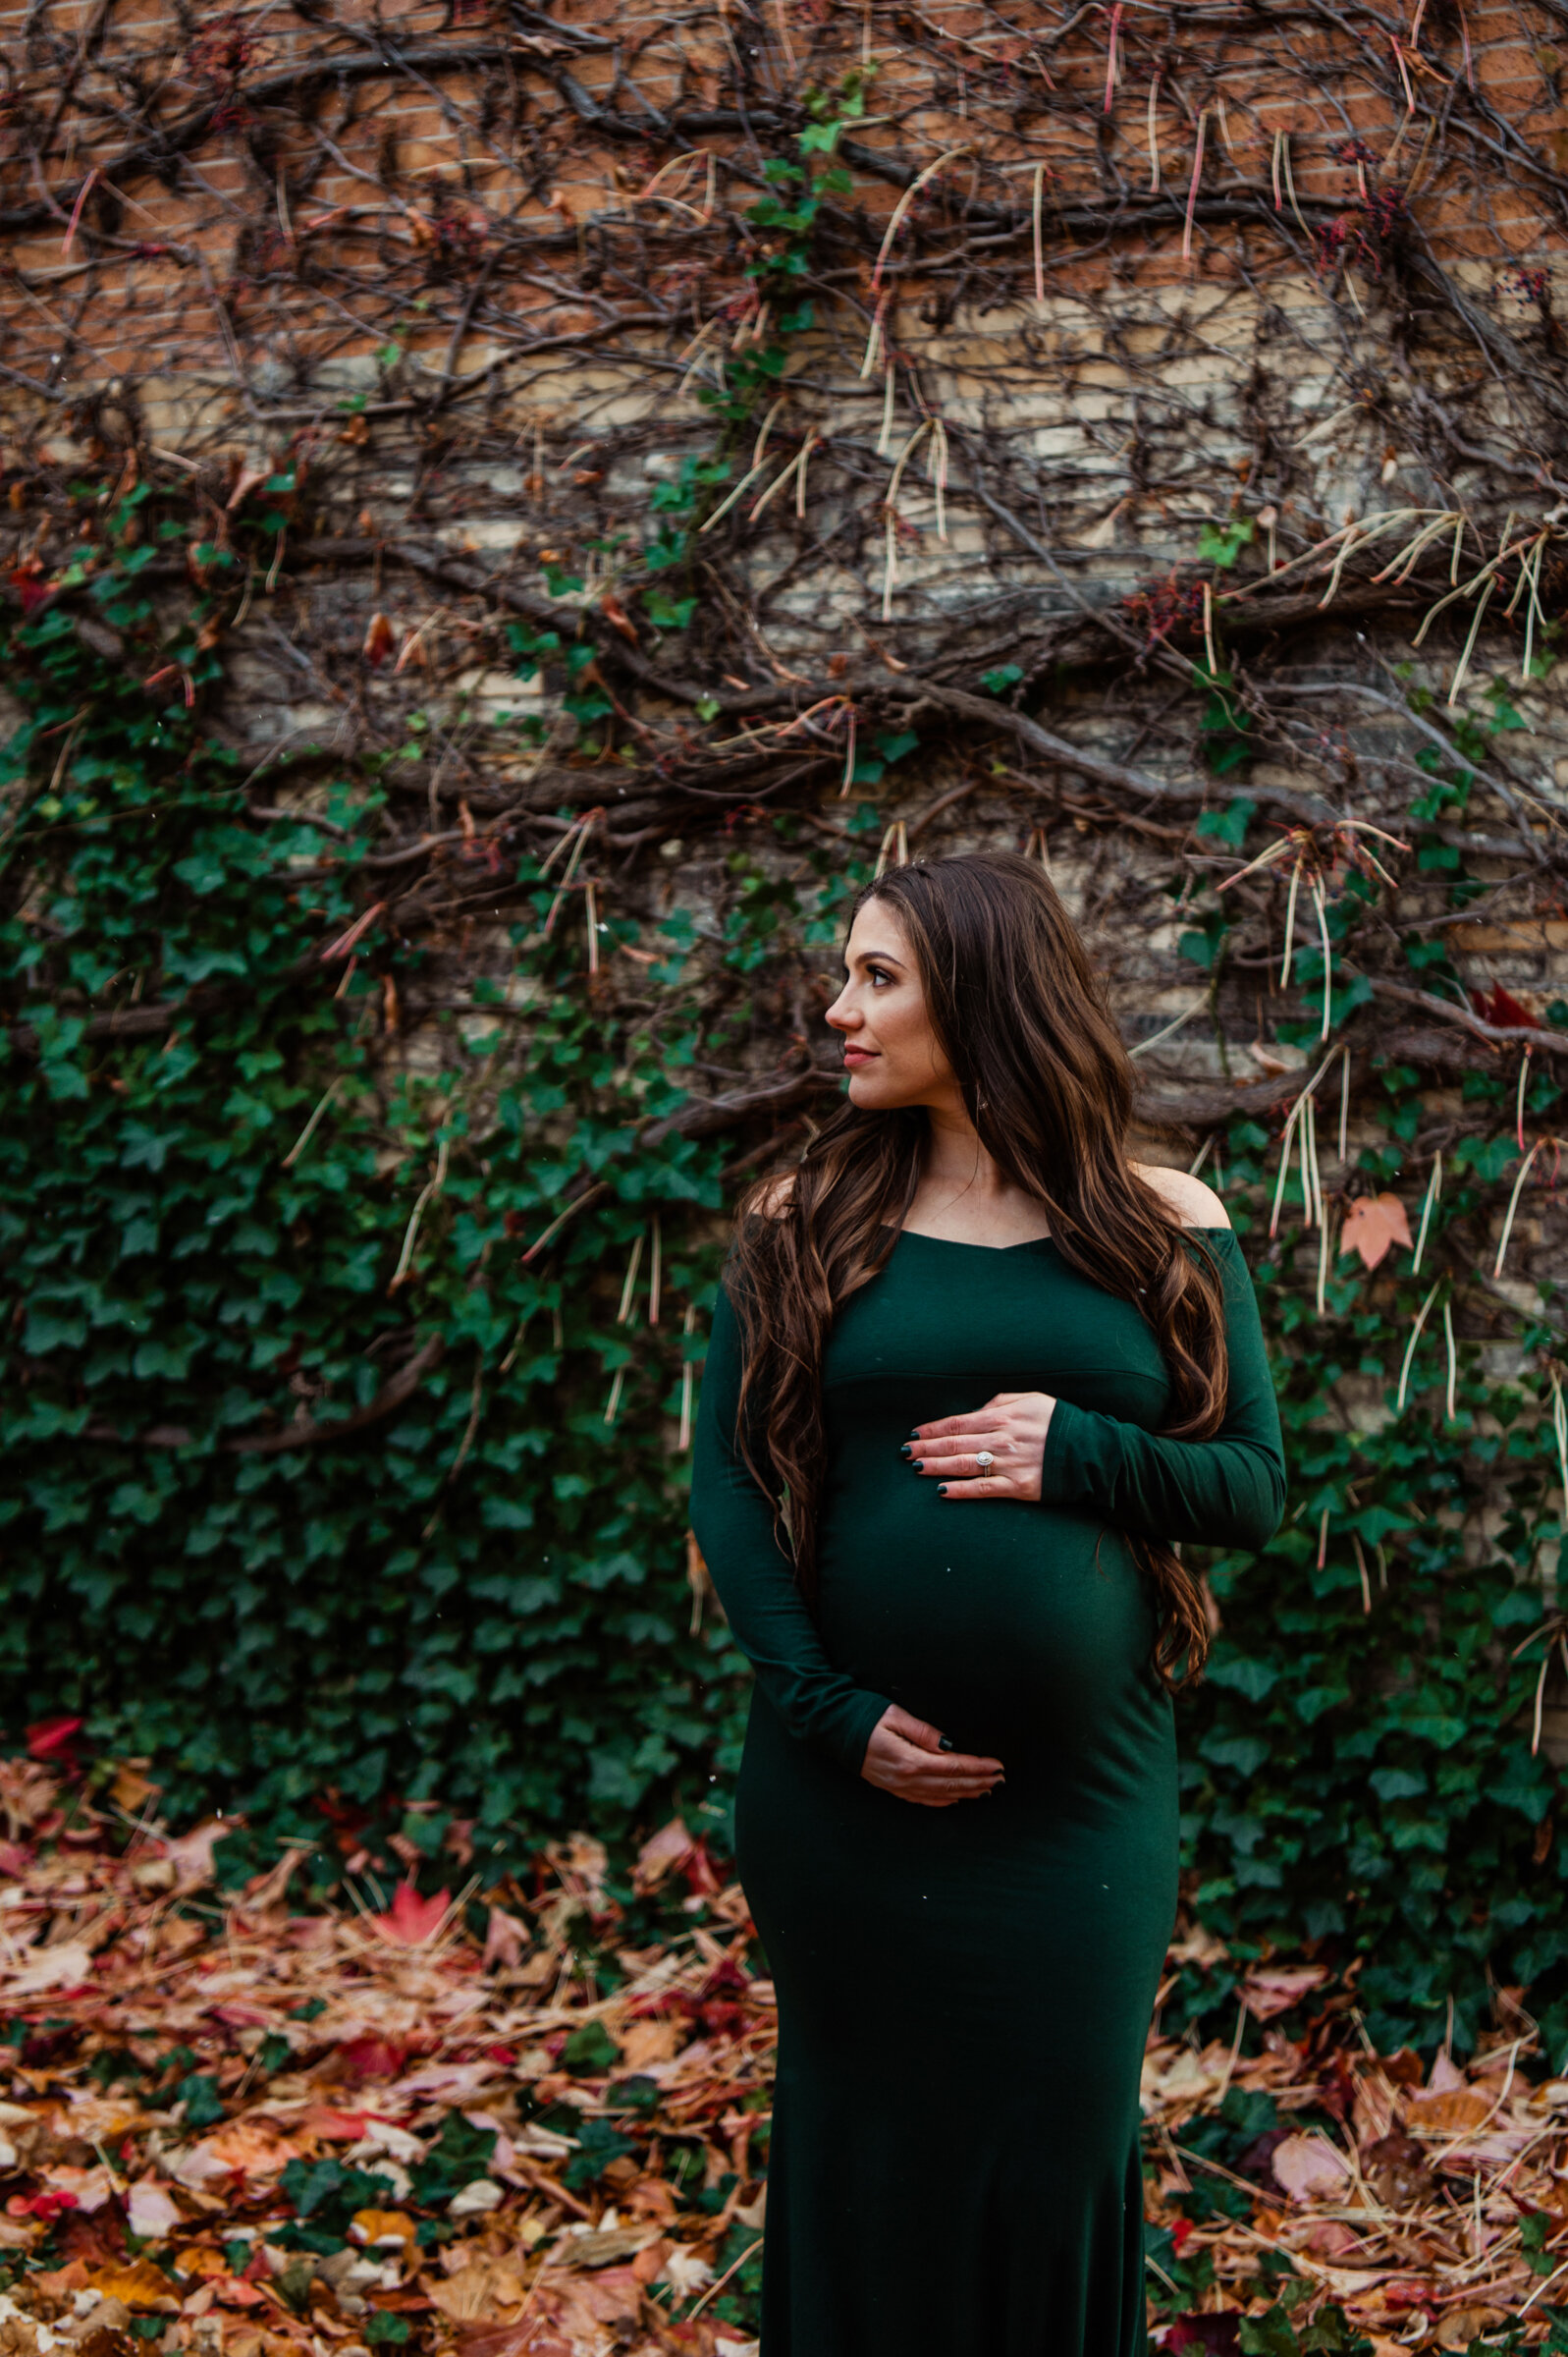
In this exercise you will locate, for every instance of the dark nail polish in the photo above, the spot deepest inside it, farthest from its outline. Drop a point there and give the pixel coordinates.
(918, 1465)
(942, 1486)
(946, 1743)
(907, 1449)
(915, 1434)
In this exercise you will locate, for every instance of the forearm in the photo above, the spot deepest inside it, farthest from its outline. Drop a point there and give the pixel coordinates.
(770, 1622)
(1227, 1492)
(755, 1578)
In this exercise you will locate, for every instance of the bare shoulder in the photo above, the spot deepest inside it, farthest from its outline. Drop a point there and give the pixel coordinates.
(1194, 1204)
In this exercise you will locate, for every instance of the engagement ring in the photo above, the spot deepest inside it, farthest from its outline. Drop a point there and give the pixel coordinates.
(984, 1460)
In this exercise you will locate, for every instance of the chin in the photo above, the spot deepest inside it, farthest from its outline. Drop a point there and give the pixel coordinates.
(871, 1089)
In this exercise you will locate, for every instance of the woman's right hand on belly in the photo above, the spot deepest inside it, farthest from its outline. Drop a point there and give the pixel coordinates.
(908, 1758)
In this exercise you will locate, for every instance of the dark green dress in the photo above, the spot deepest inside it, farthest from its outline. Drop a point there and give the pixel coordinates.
(964, 1993)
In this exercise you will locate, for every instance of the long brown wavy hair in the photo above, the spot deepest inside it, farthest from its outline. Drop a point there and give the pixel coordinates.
(1021, 1017)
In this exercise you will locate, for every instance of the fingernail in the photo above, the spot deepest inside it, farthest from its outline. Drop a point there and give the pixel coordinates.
(915, 1434)
(907, 1449)
(918, 1463)
(946, 1743)
(942, 1486)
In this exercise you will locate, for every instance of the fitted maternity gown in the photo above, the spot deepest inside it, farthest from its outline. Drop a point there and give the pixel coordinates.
(964, 1993)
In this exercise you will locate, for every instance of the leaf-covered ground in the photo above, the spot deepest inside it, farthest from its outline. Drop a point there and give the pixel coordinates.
(522, 2126)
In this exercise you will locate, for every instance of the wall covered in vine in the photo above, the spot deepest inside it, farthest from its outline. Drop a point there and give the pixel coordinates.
(510, 518)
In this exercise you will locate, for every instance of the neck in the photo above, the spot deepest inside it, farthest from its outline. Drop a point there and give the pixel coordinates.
(956, 1159)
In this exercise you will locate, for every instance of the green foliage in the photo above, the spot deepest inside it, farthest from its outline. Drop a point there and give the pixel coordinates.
(326, 2195)
(1223, 543)
(590, 2049)
(1276, 2335)
(1357, 1766)
(1224, 729)
(460, 2154)
(1229, 826)
(453, 1604)
(384, 2328)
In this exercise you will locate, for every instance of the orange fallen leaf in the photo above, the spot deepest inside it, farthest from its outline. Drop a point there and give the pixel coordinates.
(1460, 2107)
(140, 2286)
(380, 2225)
(1372, 1224)
(198, 2258)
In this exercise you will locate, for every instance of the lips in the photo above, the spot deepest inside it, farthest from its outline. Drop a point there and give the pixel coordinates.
(855, 1057)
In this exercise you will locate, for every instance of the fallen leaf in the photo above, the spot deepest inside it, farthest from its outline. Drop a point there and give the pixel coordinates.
(66, 1966)
(152, 2210)
(371, 2226)
(1396, 2170)
(49, 1738)
(1374, 1223)
(89, 2189)
(1305, 2166)
(506, 1939)
(140, 2283)
(482, 2293)
(645, 2041)
(256, 2146)
(1277, 1989)
(475, 2198)
(664, 1850)
(130, 1787)
(605, 2247)
(412, 1920)
(192, 1854)
(1457, 2108)
(1462, 2326)
(378, 640)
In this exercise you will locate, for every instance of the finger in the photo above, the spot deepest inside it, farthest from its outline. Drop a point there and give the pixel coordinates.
(979, 1421)
(950, 1469)
(959, 1444)
(984, 1485)
(955, 1764)
(918, 1732)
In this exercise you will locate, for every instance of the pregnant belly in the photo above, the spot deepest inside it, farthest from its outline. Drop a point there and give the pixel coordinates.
(1021, 1631)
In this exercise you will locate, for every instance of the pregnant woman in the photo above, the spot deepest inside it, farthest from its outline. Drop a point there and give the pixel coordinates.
(972, 1374)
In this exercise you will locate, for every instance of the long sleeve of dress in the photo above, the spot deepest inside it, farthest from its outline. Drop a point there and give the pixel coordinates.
(1225, 1492)
(755, 1578)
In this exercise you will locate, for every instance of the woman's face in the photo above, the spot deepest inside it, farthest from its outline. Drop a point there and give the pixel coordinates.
(890, 1052)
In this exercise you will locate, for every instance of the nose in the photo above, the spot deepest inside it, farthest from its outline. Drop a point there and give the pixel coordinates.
(842, 1014)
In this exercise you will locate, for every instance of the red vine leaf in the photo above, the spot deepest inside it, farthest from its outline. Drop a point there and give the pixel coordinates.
(1371, 1224)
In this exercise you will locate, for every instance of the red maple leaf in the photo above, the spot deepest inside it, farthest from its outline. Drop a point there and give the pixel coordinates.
(50, 1739)
(412, 1920)
(1500, 1006)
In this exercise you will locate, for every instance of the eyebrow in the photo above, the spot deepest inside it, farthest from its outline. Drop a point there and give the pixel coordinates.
(882, 957)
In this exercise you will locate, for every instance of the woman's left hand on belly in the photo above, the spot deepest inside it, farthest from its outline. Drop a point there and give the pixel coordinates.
(995, 1453)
